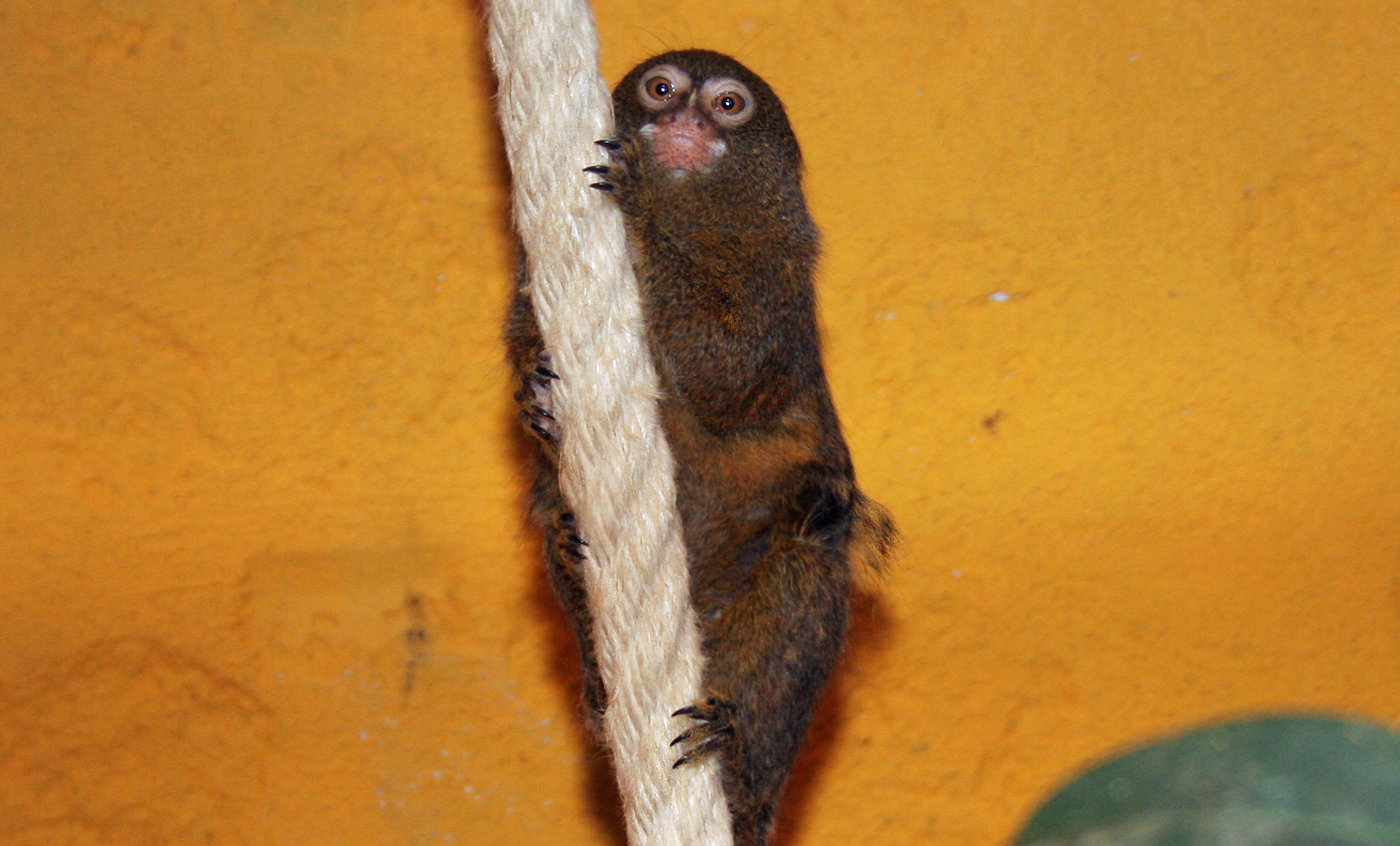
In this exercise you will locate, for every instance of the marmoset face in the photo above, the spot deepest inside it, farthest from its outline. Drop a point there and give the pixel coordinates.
(695, 108)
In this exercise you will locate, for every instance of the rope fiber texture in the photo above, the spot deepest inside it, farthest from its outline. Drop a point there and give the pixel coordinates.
(615, 468)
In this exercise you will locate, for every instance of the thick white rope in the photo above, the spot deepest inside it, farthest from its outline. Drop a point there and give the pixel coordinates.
(615, 468)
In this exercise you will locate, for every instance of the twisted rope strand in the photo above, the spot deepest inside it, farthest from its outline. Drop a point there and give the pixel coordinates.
(615, 467)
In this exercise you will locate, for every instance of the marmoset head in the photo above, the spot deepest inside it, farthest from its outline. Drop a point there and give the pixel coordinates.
(697, 109)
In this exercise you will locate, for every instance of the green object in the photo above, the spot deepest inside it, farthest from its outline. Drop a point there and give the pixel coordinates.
(1269, 781)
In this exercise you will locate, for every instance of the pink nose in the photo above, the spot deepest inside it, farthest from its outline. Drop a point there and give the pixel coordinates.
(682, 116)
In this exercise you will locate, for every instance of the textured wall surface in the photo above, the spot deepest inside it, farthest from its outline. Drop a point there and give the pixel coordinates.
(1112, 308)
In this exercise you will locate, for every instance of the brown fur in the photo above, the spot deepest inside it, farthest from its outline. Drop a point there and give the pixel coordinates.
(772, 517)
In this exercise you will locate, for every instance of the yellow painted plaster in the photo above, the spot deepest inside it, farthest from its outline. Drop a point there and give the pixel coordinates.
(1112, 306)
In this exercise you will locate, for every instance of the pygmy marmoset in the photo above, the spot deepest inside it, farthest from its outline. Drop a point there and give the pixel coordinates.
(708, 175)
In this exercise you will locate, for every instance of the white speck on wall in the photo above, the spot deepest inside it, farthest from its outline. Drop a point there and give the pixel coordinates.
(999, 297)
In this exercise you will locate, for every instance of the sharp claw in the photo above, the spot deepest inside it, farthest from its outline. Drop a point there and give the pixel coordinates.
(601, 170)
(542, 431)
(576, 539)
(541, 412)
(693, 712)
(605, 187)
(684, 736)
(541, 370)
(608, 144)
(700, 750)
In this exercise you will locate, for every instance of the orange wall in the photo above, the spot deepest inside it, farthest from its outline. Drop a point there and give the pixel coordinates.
(263, 572)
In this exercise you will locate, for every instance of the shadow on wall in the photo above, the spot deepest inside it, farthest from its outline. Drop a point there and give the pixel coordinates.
(1264, 781)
